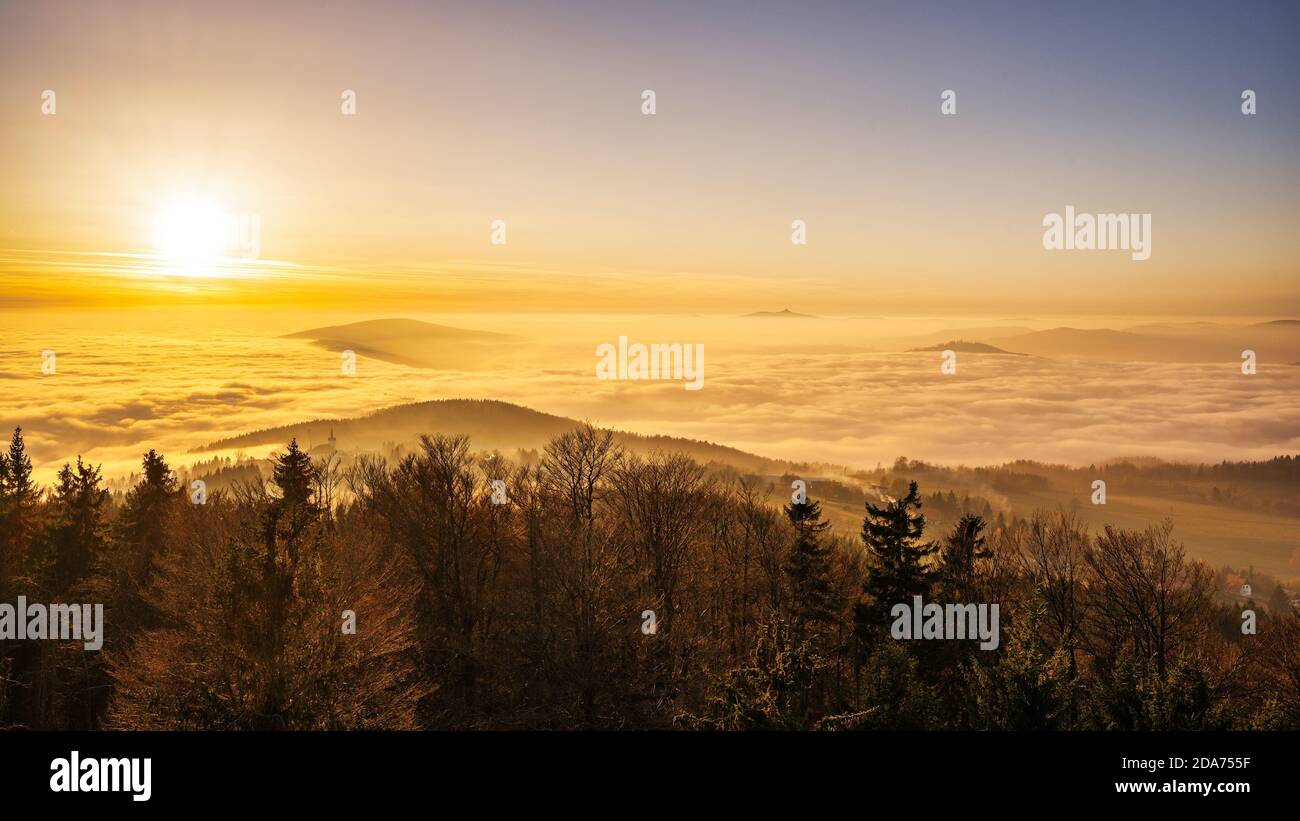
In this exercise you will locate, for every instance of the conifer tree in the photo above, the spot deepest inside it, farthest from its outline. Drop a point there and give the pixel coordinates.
(897, 567)
(62, 685)
(18, 469)
(295, 476)
(957, 560)
(5, 552)
(252, 598)
(140, 534)
(74, 538)
(18, 498)
(808, 569)
(141, 525)
(287, 574)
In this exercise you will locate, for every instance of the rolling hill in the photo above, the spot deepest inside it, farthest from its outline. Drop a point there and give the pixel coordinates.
(960, 346)
(491, 425)
(1277, 341)
(1220, 528)
(782, 314)
(415, 343)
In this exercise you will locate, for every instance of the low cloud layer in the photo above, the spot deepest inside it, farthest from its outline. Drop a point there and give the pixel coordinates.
(117, 394)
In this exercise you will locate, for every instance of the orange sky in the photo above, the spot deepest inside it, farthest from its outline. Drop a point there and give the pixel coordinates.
(468, 117)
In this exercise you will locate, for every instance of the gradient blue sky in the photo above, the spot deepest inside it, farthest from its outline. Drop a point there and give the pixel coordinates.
(768, 112)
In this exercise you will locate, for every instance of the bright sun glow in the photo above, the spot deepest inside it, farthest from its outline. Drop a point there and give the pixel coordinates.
(190, 231)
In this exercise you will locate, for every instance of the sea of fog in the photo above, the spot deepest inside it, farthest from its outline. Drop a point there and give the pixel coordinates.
(838, 390)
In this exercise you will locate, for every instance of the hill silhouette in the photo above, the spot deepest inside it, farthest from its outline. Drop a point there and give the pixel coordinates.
(961, 346)
(490, 424)
(415, 343)
(782, 314)
(1169, 342)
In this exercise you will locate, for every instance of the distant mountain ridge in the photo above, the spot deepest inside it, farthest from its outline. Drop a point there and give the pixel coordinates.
(385, 328)
(782, 314)
(490, 424)
(1276, 341)
(961, 346)
(416, 343)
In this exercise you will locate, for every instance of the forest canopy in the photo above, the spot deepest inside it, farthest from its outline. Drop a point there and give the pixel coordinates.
(525, 608)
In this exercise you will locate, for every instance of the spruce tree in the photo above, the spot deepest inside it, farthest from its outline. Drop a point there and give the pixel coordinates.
(141, 525)
(961, 550)
(18, 497)
(6, 554)
(295, 476)
(808, 569)
(18, 469)
(74, 538)
(140, 533)
(289, 515)
(271, 586)
(249, 594)
(897, 567)
(68, 551)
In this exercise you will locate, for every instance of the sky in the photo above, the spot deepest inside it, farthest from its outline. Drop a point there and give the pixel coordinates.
(766, 113)
(499, 173)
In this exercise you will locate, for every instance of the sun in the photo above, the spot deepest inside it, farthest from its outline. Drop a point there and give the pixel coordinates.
(190, 231)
